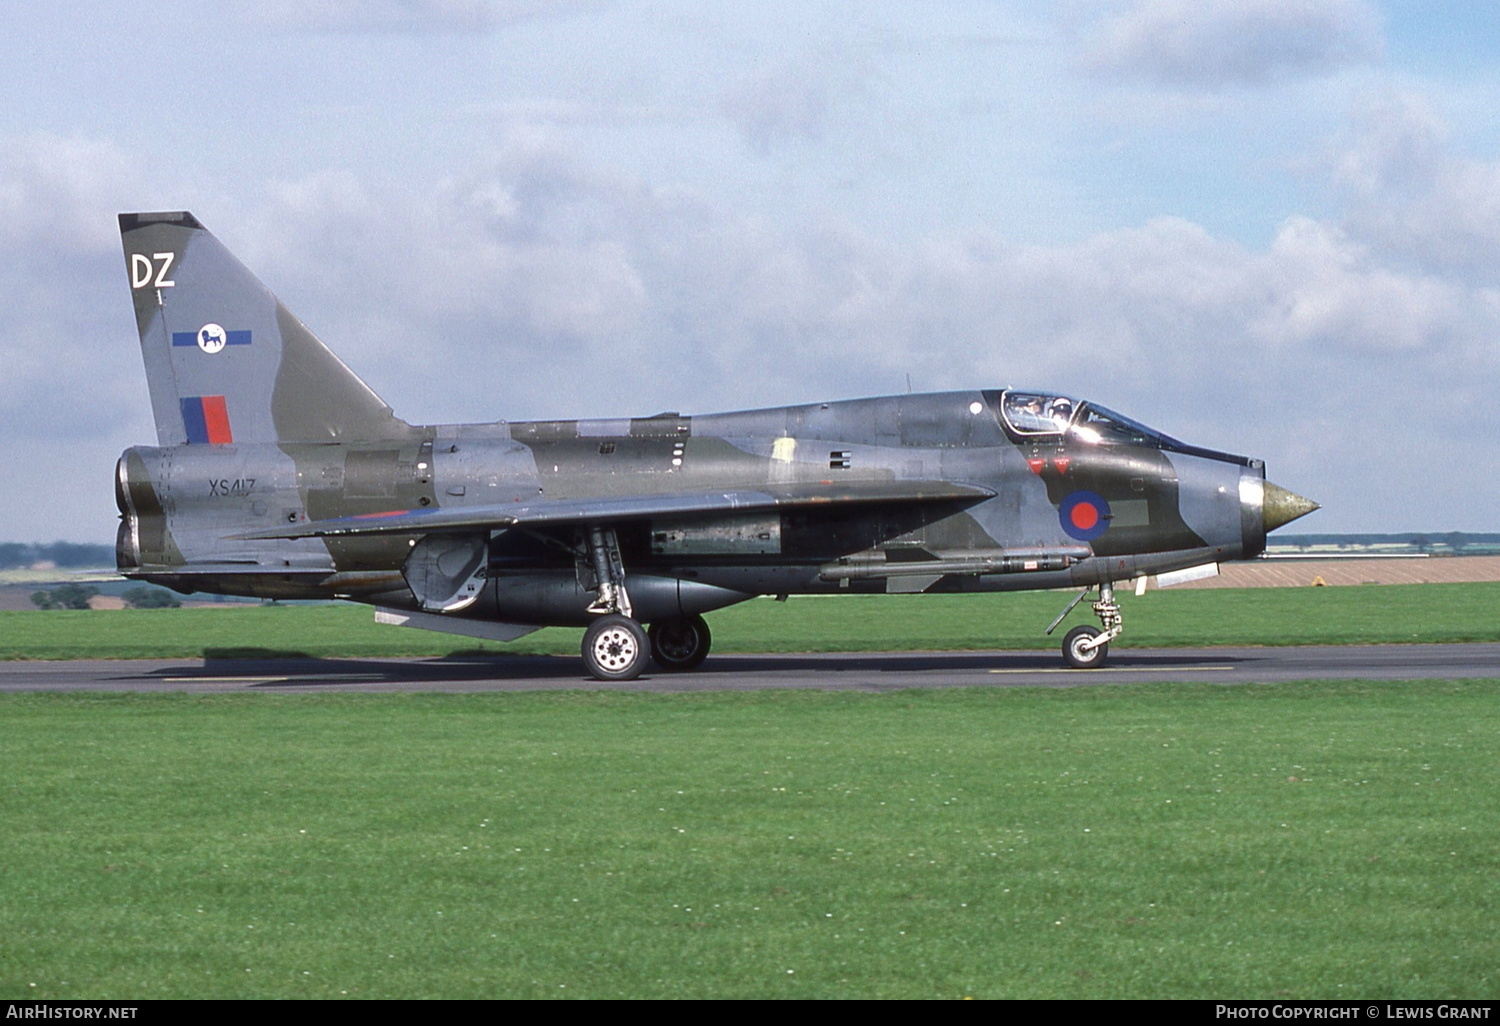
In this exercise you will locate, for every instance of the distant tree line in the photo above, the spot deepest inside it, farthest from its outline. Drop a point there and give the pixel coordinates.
(19, 555)
(64, 596)
(1450, 541)
(145, 596)
(76, 596)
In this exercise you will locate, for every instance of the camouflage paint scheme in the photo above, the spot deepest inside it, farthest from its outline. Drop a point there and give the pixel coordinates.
(279, 473)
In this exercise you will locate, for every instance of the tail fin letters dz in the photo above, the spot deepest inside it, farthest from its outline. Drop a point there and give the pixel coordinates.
(143, 269)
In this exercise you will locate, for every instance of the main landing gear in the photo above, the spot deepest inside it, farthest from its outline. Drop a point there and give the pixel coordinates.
(616, 646)
(1085, 648)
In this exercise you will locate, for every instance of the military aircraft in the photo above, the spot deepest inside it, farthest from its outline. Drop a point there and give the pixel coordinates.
(278, 473)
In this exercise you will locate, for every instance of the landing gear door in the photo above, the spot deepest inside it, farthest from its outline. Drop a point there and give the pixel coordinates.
(446, 572)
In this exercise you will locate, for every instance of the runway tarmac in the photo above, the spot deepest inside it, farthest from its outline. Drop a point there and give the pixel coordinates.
(880, 671)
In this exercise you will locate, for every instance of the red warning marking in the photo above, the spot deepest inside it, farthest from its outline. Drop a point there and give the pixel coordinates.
(1036, 465)
(1061, 463)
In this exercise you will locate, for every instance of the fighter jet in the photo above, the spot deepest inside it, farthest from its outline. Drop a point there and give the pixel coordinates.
(278, 473)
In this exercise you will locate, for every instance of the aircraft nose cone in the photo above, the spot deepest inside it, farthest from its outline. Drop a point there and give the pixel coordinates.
(1281, 507)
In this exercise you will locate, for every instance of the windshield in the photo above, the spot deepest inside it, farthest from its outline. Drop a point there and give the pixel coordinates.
(1096, 425)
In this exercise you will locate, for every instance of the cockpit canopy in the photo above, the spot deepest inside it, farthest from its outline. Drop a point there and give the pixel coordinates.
(1033, 413)
(1040, 414)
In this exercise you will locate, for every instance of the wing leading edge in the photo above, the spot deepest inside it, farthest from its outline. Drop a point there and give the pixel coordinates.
(615, 509)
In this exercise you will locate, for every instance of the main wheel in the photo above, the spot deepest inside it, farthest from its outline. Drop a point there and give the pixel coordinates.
(1081, 658)
(680, 644)
(615, 648)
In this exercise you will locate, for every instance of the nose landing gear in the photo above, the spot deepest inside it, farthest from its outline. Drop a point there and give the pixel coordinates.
(1083, 647)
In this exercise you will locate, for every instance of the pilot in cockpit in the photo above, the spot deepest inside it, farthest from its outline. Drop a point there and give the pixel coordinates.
(1060, 412)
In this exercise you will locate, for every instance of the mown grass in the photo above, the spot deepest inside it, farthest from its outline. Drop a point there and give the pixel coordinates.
(1315, 840)
(1250, 616)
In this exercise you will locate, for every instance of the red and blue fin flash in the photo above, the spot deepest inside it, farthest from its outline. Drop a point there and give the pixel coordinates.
(206, 419)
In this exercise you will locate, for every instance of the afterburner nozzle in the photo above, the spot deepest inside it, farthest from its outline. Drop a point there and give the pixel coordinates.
(1280, 507)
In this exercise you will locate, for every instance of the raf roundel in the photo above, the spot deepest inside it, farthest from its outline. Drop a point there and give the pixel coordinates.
(1084, 515)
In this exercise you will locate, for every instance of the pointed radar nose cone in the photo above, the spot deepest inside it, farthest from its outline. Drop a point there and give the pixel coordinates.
(1281, 507)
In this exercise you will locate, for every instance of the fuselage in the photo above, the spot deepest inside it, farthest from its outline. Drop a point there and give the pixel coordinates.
(1061, 494)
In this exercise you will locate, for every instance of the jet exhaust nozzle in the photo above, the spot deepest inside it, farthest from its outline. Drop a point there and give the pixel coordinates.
(1280, 506)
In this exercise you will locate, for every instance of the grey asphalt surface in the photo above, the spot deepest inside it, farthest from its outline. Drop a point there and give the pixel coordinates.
(886, 671)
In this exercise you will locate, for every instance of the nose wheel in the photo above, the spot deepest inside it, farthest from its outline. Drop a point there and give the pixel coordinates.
(1086, 648)
(1083, 650)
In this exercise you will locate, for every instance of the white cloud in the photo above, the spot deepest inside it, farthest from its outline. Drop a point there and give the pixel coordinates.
(52, 189)
(1329, 294)
(1212, 43)
(71, 390)
(797, 101)
(1410, 195)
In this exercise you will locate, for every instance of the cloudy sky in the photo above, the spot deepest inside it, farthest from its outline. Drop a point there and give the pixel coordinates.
(1266, 226)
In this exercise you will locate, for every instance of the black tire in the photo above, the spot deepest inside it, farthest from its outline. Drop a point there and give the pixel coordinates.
(680, 644)
(615, 648)
(1081, 658)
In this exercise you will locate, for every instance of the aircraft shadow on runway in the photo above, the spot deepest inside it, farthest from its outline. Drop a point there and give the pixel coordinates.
(295, 669)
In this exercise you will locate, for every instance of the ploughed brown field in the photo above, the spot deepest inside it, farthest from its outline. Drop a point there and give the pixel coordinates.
(1300, 573)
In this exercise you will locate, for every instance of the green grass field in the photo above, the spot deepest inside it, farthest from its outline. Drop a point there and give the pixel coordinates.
(1322, 840)
(1250, 616)
(1307, 840)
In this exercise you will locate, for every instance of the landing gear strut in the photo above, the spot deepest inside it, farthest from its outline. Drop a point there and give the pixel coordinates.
(1085, 648)
(609, 572)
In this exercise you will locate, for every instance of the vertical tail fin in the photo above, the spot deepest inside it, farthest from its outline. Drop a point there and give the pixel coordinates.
(225, 361)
